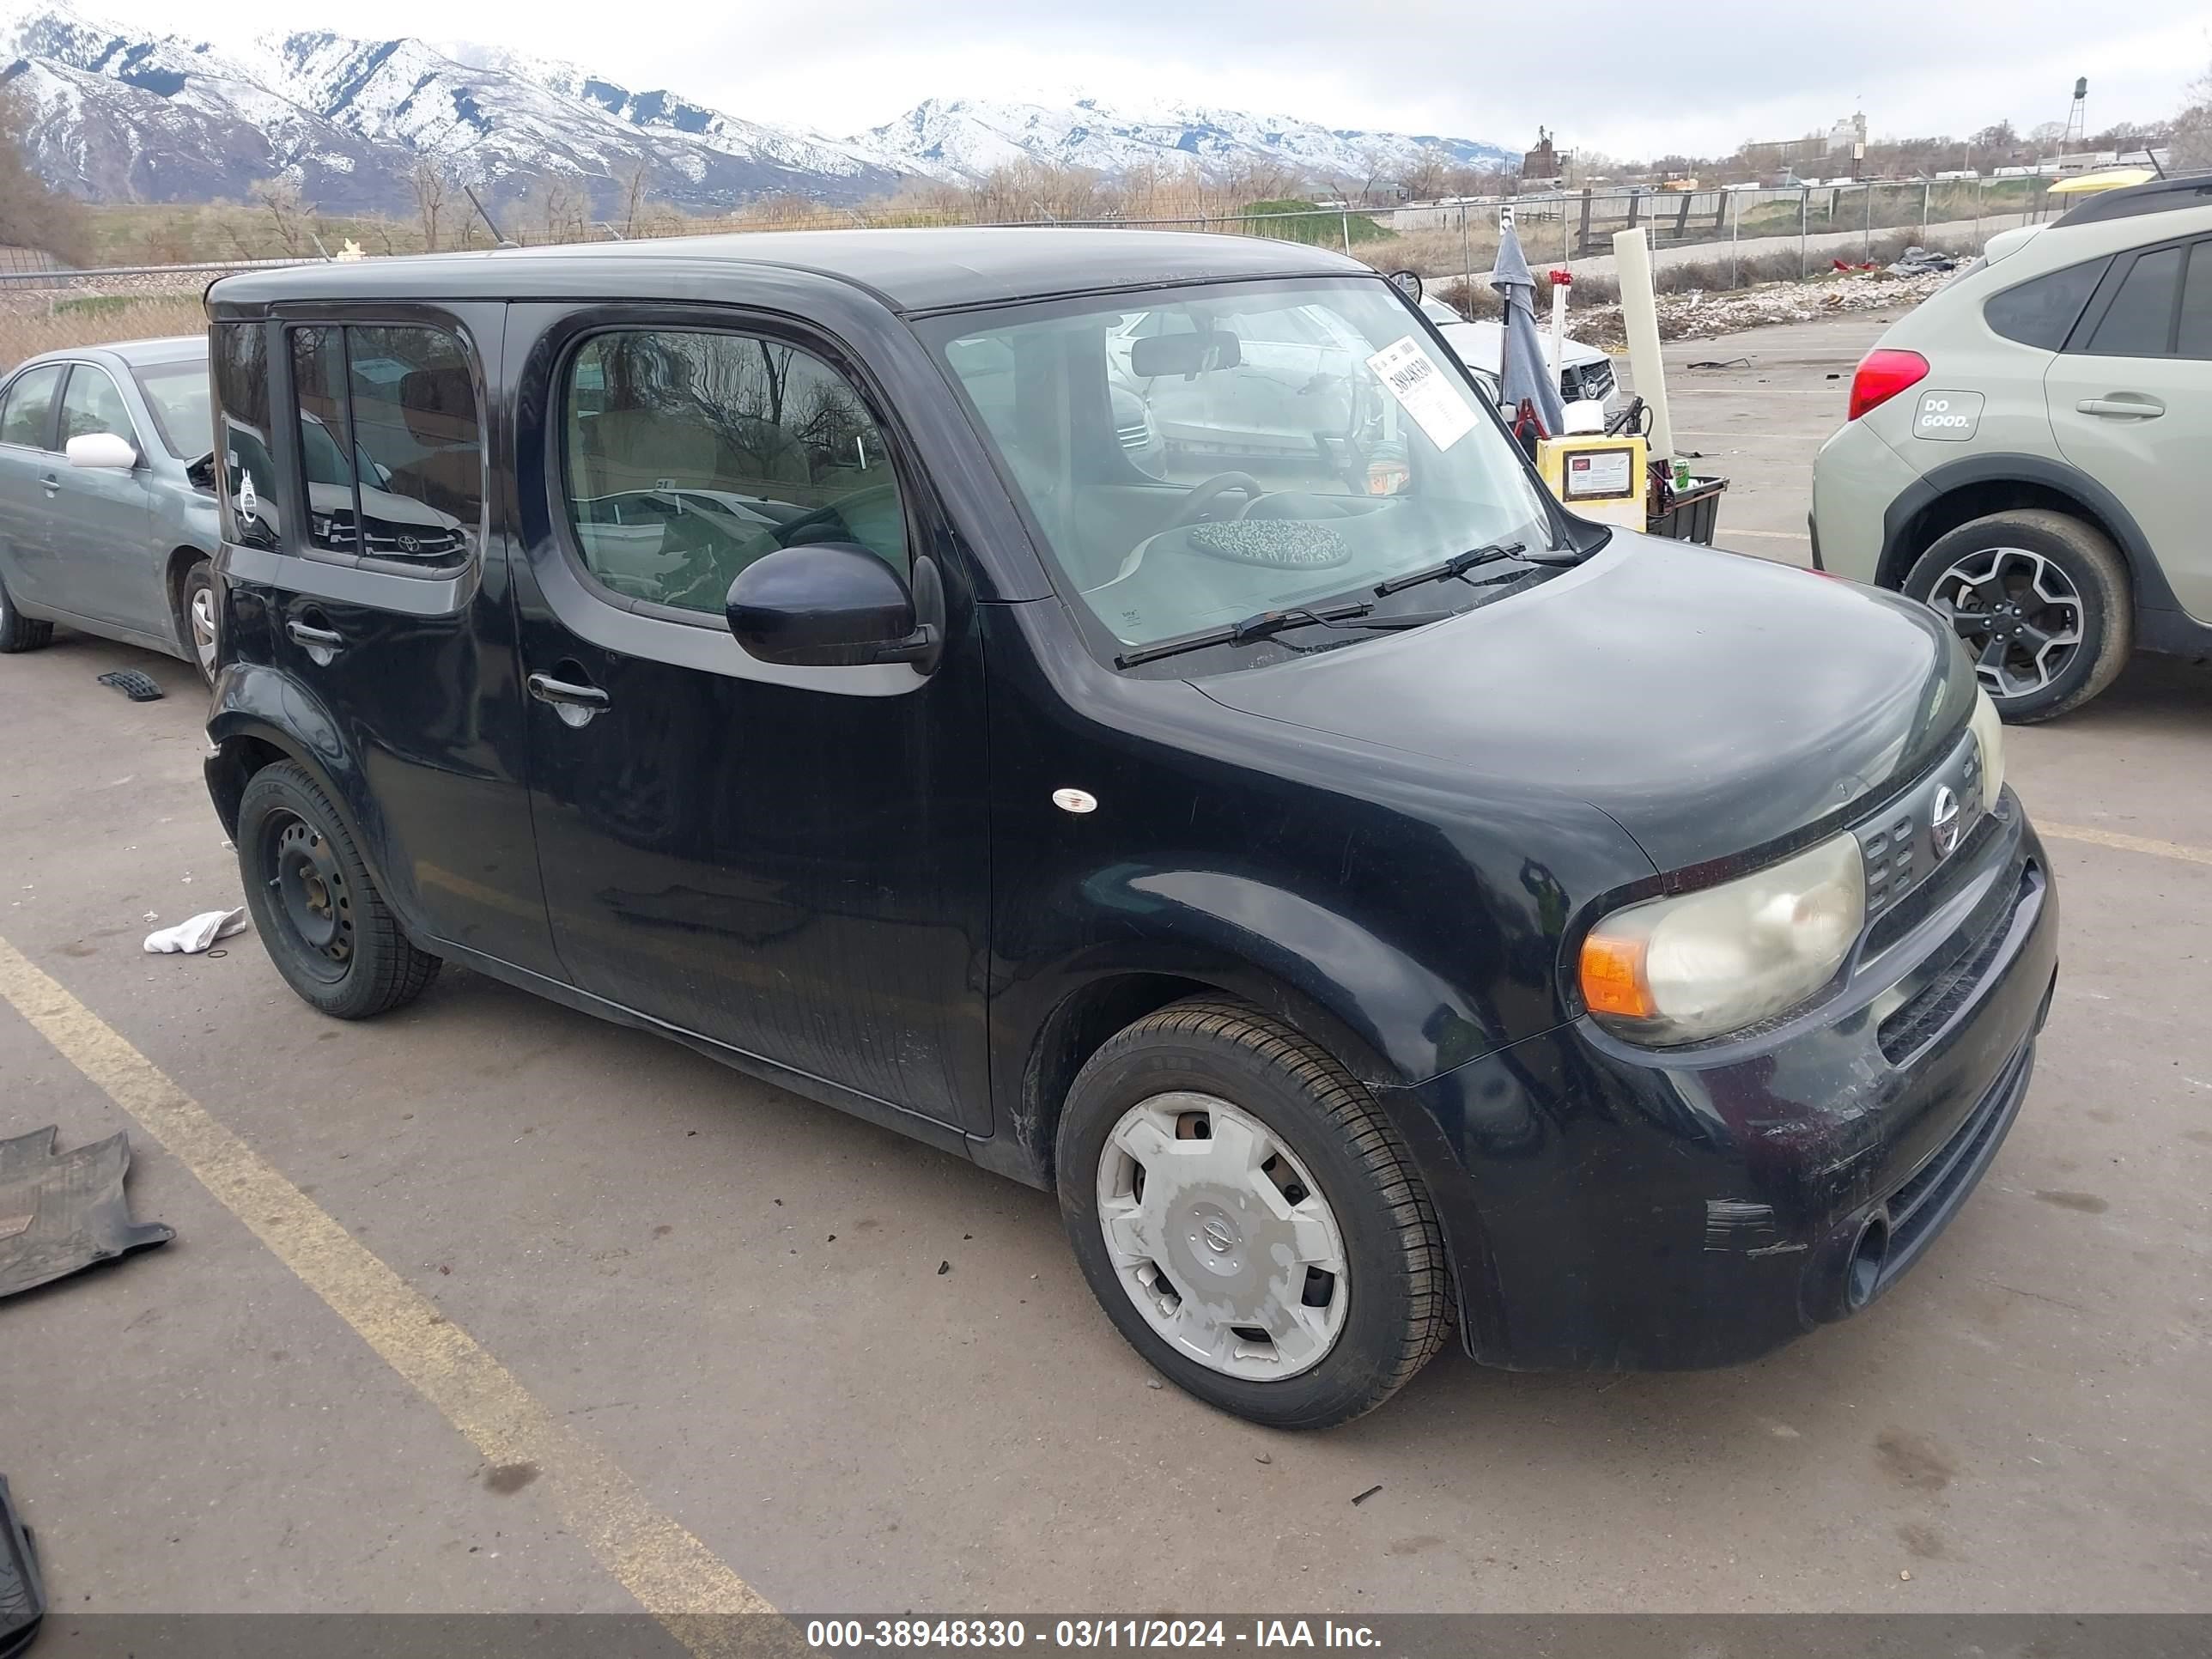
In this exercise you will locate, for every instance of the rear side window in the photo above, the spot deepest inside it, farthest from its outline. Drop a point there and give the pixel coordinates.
(691, 454)
(2139, 322)
(93, 404)
(2195, 338)
(2042, 311)
(30, 401)
(240, 359)
(390, 444)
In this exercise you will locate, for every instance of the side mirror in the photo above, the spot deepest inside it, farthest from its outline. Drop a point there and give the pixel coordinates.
(102, 449)
(828, 604)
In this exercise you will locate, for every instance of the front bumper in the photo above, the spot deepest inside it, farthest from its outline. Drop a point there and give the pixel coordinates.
(1611, 1207)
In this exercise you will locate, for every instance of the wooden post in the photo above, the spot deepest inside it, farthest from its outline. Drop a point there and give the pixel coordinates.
(1583, 236)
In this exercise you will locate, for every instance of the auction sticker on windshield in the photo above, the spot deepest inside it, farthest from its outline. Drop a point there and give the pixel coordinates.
(1437, 407)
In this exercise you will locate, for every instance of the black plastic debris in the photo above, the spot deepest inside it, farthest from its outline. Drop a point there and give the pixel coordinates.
(58, 1214)
(23, 1597)
(139, 688)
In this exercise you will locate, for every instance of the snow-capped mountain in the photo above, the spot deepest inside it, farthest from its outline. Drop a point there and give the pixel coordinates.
(963, 137)
(124, 115)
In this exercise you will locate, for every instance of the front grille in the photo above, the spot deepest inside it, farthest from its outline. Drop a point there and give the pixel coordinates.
(1930, 1009)
(1908, 872)
(1590, 381)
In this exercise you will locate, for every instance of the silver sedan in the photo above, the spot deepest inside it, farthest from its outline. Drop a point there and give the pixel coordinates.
(107, 518)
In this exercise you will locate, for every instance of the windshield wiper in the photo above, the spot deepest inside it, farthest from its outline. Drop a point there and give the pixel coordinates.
(1268, 623)
(1458, 565)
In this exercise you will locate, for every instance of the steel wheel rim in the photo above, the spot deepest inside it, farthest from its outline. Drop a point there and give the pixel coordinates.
(2017, 611)
(310, 893)
(1220, 1237)
(201, 611)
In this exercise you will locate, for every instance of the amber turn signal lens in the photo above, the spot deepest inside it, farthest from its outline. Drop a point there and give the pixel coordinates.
(1612, 977)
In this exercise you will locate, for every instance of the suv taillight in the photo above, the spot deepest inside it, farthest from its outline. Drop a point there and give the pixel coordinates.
(1884, 375)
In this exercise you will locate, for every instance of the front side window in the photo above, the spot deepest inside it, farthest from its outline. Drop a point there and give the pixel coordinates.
(1196, 457)
(240, 358)
(688, 454)
(390, 447)
(92, 404)
(177, 393)
(30, 404)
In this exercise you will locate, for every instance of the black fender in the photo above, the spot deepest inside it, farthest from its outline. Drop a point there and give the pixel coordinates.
(1388, 1020)
(256, 711)
(2090, 499)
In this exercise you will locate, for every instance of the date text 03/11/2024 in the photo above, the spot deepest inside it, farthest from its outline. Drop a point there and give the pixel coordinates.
(939, 1634)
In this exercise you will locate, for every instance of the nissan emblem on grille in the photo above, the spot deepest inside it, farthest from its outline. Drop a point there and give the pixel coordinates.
(1943, 823)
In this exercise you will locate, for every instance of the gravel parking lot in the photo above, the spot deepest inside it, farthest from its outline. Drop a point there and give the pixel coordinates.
(714, 1351)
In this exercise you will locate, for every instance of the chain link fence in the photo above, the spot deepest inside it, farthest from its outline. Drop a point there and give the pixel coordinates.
(1708, 239)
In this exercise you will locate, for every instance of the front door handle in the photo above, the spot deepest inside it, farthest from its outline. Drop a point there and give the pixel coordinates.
(308, 634)
(2127, 405)
(50, 483)
(575, 704)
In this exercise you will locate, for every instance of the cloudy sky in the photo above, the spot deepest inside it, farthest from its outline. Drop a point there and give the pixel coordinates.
(1630, 79)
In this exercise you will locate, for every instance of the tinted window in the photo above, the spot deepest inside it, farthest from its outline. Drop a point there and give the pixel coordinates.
(391, 449)
(240, 358)
(417, 448)
(319, 379)
(93, 404)
(691, 454)
(2042, 312)
(178, 395)
(2196, 337)
(2139, 323)
(30, 401)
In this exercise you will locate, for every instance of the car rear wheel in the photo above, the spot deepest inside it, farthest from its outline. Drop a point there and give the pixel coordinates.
(198, 601)
(327, 928)
(1247, 1217)
(17, 631)
(2042, 603)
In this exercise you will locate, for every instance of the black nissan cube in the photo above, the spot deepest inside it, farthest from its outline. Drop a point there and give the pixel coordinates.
(1118, 707)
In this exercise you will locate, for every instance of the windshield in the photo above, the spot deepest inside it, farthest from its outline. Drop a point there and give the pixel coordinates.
(1195, 457)
(178, 395)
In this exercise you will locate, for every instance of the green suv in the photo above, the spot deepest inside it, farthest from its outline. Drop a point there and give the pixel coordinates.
(2030, 451)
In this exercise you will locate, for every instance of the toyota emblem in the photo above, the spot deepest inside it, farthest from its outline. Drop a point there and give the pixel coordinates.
(1943, 823)
(408, 544)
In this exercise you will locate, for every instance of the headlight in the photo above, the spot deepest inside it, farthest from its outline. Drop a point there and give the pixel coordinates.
(1679, 969)
(1989, 737)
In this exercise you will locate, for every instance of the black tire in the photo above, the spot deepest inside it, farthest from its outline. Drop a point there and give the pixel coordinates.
(2101, 598)
(348, 955)
(1397, 1279)
(17, 631)
(199, 579)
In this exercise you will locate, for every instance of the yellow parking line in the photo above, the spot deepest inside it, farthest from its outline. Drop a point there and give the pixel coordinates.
(2160, 849)
(673, 1574)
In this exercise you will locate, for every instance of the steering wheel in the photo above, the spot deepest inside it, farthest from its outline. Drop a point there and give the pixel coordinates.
(1201, 500)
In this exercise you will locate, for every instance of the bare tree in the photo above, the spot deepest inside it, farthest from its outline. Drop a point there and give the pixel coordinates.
(288, 212)
(428, 183)
(632, 201)
(2191, 138)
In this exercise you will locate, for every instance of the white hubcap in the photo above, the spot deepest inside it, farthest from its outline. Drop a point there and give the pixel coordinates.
(1221, 1237)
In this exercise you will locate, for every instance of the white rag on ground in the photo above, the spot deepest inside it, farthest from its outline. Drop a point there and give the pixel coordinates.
(192, 937)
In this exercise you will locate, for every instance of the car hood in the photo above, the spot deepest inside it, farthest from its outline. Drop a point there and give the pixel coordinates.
(1482, 346)
(1711, 703)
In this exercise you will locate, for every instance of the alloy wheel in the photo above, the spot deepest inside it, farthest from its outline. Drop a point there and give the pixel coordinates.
(202, 618)
(2017, 611)
(1221, 1238)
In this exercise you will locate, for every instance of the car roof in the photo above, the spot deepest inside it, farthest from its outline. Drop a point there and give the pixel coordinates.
(911, 271)
(2159, 196)
(137, 353)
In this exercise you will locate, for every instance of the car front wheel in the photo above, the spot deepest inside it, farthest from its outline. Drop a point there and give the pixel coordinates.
(1249, 1218)
(2041, 602)
(197, 593)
